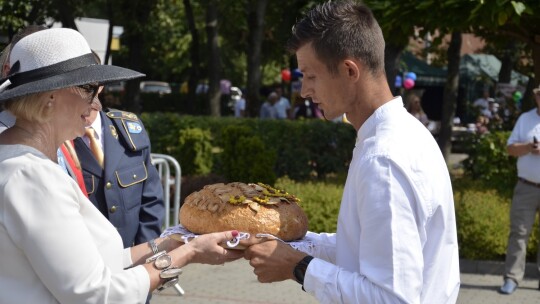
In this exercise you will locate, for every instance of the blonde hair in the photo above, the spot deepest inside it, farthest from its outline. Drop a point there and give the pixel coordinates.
(34, 107)
(30, 107)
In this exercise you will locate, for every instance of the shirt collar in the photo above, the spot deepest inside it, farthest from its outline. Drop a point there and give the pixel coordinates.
(377, 116)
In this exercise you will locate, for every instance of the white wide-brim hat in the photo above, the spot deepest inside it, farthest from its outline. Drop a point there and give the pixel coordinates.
(54, 59)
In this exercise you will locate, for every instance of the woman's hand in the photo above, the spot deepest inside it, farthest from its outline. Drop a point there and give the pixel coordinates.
(208, 248)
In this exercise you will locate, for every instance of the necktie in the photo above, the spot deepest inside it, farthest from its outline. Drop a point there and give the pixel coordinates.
(95, 147)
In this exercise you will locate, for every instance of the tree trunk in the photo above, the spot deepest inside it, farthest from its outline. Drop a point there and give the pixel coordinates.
(132, 101)
(507, 62)
(536, 59)
(214, 64)
(256, 13)
(450, 95)
(110, 15)
(66, 14)
(195, 70)
(392, 56)
(528, 101)
(139, 13)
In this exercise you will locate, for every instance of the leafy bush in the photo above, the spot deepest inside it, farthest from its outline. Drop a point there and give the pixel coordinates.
(483, 221)
(245, 157)
(196, 151)
(319, 199)
(488, 161)
(303, 149)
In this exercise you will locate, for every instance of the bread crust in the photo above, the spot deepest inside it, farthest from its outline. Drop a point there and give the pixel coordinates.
(253, 208)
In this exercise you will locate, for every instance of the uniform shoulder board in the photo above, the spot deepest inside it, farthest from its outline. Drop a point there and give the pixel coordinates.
(130, 129)
(117, 114)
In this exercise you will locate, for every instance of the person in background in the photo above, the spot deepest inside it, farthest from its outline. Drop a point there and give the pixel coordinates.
(282, 105)
(119, 176)
(415, 108)
(305, 108)
(239, 102)
(53, 238)
(6, 119)
(523, 144)
(482, 103)
(123, 184)
(268, 110)
(396, 239)
(482, 125)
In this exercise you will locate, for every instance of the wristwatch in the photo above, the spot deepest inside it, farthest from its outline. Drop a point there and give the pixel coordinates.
(300, 269)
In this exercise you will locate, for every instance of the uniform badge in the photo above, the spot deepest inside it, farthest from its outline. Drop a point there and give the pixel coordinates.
(113, 131)
(134, 127)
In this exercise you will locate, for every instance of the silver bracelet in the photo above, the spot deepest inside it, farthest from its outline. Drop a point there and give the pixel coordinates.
(168, 283)
(162, 261)
(153, 245)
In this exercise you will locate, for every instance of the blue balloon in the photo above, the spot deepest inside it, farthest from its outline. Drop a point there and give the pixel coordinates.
(411, 75)
(297, 74)
(398, 81)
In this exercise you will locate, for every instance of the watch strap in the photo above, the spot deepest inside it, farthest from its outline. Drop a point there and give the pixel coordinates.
(300, 269)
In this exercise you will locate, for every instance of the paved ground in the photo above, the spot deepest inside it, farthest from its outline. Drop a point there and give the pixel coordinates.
(235, 283)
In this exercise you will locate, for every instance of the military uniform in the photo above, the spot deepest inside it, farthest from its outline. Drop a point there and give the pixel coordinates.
(128, 190)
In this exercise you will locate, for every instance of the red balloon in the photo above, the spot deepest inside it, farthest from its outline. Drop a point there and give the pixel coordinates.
(286, 75)
(408, 83)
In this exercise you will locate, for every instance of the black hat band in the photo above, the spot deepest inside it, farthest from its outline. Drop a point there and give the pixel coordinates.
(62, 67)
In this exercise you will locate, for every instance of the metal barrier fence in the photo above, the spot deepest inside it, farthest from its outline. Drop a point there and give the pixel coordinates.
(163, 164)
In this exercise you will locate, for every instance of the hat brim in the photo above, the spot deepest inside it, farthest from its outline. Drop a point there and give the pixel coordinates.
(101, 74)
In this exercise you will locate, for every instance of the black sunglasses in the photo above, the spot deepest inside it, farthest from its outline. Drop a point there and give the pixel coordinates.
(90, 89)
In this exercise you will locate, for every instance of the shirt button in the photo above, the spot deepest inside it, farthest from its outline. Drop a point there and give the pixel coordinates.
(134, 176)
(108, 185)
(113, 209)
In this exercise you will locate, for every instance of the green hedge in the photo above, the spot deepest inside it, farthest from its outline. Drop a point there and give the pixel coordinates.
(303, 149)
(319, 199)
(489, 162)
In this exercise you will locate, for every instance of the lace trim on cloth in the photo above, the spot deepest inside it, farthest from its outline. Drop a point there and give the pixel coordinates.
(306, 244)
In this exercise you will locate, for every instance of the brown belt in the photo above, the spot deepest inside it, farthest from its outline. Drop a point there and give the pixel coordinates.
(528, 182)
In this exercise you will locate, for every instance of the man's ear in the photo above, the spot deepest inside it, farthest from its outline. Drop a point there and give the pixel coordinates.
(352, 69)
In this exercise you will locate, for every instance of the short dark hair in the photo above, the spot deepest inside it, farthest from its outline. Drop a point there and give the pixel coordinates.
(340, 30)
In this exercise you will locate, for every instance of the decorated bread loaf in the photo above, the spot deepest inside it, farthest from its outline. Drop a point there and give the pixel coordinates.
(253, 208)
